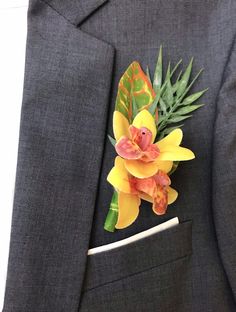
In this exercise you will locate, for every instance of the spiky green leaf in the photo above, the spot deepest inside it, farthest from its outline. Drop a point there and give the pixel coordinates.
(175, 119)
(157, 79)
(168, 94)
(189, 87)
(174, 69)
(193, 97)
(152, 108)
(160, 119)
(184, 79)
(166, 131)
(187, 109)
(170, 129)
(163, 106)
(176, 84)
(167, 77)
(113, 141)
(148, 74)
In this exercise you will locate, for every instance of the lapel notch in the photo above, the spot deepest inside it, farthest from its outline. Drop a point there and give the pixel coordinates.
(76, 11)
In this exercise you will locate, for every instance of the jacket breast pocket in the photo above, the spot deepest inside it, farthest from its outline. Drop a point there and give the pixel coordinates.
(163, 256)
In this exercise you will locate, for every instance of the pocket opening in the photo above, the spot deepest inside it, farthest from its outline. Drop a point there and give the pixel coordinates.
(152, 251)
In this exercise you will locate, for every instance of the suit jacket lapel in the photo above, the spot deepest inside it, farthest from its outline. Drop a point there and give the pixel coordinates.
(64, 113)
(76, 11)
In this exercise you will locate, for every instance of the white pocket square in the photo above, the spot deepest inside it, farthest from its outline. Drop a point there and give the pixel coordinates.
(158, 228)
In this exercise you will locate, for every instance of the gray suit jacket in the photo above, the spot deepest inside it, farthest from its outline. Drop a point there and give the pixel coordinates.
(76, 53)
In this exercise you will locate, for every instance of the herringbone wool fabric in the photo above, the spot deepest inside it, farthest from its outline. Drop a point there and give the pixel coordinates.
(76, 53)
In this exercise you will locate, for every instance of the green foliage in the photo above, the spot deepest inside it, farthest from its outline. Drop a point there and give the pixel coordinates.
(157, 80)
(172, 100)
(168, 130)
(134, 84)
(148, 74)
(113, 141)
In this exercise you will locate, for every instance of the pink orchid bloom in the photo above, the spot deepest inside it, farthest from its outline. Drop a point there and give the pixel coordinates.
(153, 189)
(138, 146)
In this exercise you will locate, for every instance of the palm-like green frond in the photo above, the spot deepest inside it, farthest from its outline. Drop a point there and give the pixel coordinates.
(172, 100)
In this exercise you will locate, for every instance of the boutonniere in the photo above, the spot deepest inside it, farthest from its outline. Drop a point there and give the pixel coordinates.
(147, 140)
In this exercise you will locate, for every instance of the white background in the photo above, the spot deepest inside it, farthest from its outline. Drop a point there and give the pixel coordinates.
(13, 23)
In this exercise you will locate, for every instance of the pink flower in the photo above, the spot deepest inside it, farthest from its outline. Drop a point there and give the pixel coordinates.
(138, 146)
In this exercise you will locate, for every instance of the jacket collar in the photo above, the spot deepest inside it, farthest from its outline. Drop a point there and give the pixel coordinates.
(76, 11)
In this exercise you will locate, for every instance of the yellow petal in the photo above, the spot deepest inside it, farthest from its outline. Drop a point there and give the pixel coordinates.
(119, 177)
(164, 165)
(140, 169)
(120, 125)
(173, 138)
(128, 209)
(171, 152)
(145, 119)
(172, 195)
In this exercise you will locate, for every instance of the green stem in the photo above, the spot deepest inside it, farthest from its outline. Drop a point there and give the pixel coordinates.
(112, 215)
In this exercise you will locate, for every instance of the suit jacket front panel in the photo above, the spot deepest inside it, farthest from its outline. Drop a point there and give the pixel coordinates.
(63, 120)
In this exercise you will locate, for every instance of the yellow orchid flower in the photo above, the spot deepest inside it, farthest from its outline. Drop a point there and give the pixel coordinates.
(135, 144)
(131, 190)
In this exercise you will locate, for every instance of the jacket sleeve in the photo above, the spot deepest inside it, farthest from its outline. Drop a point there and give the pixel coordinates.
(224, 169)
(63, 121)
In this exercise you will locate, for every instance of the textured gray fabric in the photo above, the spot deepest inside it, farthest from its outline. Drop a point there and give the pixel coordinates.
(60, 151)
(61, 194)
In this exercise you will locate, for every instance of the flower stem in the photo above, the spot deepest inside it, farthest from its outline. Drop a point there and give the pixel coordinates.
(112, 215)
